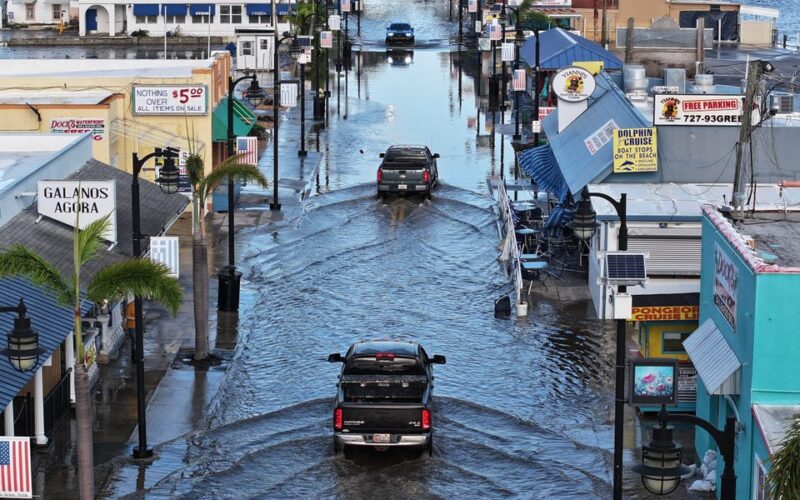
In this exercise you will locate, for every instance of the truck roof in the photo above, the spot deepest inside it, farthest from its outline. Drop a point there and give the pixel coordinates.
(398, 347)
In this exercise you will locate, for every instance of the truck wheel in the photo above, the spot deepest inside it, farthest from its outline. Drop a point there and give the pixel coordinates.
(428, 194)
(429, 447)
(347, 452)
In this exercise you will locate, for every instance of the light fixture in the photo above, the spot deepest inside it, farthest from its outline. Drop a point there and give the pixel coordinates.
(254, 94)
(519, 38)
(661, 467)
(23, 343)
(584, 223)
(168, 178)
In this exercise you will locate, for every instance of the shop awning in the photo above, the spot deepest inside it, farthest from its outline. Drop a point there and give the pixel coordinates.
(52, 321)
(202, 9)
(259, 9)
(174, 9)
(284, 9)
(540, 163)
(773, 421)
(145, 9)
(715, 361)
(243, 120)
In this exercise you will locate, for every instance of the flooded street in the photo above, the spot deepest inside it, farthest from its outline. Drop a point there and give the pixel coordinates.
(521, 405)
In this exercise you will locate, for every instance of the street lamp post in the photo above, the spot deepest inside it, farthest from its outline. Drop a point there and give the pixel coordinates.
(536, 70)
(276, 98)
(661, 467)
(302, 151)
(584, 225)
(168, 181)
(503, 69)
(22, 347)
(519, 41)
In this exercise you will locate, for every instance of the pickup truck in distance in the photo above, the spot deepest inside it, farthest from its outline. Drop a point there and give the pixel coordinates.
(384, 397)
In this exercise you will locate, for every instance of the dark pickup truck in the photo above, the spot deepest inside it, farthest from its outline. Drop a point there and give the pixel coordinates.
(384, 396)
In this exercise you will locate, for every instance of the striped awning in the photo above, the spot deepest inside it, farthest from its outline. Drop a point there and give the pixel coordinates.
(540, 163)
(712, 356)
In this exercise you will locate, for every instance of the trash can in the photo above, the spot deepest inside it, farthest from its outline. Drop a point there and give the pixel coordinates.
(229, 280)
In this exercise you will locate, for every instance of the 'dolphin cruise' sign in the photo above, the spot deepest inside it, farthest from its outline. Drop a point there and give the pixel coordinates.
(84, 201)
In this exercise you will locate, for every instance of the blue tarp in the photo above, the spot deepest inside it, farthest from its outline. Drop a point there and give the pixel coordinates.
(540, 163)
(53, 322)
(259, 9)
(174, 9)
(559, 48)
(202, 9)
(145, 9)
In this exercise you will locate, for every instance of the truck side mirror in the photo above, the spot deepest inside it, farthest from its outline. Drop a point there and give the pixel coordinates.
(436, 155)
(381, 155)
(438, 359)
(335, 358)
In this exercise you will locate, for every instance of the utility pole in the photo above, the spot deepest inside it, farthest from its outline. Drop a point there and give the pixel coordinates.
(753, 77)
(699, 46)
(629, 41)
(604, 28)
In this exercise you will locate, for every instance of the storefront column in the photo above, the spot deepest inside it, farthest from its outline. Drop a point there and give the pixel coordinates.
(70, 362)
(38, 408)
(8, 419)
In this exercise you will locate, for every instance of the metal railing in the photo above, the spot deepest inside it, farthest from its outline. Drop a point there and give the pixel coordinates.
(56, 403)
(510, 253)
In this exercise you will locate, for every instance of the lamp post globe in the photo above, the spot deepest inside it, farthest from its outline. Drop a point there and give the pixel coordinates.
(254, 94)
(519, 38)
(584, 221)
(661, 466)
(168, 178)
(23, 343)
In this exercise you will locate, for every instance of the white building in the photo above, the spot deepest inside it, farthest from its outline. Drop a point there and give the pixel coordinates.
(113, 17)
(40, 12)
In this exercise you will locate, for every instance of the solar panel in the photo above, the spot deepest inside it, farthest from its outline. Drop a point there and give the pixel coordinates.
(625, 267)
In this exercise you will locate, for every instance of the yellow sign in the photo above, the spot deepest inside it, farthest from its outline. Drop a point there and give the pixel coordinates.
(665, 313)
(593, 67)
(635, 150)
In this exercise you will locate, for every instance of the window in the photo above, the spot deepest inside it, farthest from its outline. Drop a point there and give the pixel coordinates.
(30, 12)
(247, 48)
(201, 19)
(262, 19)
(146, 19)
(230, 14)
(673, 342)
(176, 19)
(264, 44)
(56, 12)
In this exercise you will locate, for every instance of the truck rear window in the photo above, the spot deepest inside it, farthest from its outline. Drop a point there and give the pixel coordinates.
(369, 365)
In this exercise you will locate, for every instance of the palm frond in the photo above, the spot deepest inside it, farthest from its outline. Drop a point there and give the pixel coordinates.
(90, 238)
(230, 167)
(142, 277)
(784, 475)
(18, 260)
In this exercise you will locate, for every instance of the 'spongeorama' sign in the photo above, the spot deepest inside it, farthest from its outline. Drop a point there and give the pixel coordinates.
(665, 313)
(170, 100)
(81, 201)
(698, 109)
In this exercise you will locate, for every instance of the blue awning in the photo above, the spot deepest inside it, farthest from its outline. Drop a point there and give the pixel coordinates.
(283, 9)
(145, 9)
(540, 163)
(259, 9)
(52, 321)
(202, 9)
(174, 9)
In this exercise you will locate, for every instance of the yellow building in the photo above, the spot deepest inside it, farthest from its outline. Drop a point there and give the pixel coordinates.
(130, 105)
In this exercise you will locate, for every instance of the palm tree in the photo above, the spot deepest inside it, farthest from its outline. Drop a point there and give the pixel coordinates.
(141, 277)
(784, 475)
(202, 187)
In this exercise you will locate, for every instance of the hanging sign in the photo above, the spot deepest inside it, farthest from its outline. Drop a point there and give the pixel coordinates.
(64, 200)
(495, 32)
(573, 84)
(96, 126)
(635, 150)
(169, 100)
(472, 6)
(653, 381)
(508, 51)
(15, 465)
(335, 22)
(698, 109)
(536, 126)
(519, 80)
(726, 280)
(326, 39)
(344, 5)
(289, 94)
(478, 27)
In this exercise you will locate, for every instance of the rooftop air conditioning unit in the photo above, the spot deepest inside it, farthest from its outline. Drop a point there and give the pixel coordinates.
(781, 102)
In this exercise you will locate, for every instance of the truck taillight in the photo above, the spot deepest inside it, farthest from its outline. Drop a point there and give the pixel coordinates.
(426, 176)
(380, 175)
(338, 419)
(426, 419)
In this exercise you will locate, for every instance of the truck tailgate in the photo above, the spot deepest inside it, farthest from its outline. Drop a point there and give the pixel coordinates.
(375, 417)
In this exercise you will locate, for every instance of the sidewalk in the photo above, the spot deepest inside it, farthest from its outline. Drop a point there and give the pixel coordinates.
(177, 393)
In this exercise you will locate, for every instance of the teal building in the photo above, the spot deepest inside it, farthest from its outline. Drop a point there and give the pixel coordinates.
(747, 347)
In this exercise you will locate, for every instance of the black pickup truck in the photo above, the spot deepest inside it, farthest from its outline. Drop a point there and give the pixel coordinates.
(384, 396)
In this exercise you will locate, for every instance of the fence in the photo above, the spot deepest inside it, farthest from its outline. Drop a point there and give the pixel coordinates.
(56, 403)
(510, 251)
(657, 38)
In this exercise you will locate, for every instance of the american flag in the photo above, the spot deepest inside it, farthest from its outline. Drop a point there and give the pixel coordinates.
(15, 468)
(472, 6)
(345, 5)
(519, 80)
(495, 32)
(248, 148)
(326, 39)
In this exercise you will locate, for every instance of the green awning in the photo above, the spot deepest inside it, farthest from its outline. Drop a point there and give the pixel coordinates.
(243, 120)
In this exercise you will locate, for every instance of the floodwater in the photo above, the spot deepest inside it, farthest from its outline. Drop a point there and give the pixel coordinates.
(521, 405)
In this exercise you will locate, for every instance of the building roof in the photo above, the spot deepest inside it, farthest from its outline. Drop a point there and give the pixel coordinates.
(22, 154)
(773, 421)
(578, 167)
(52, 321)
(712, 356)
(766, 246)
(671, 201)
(50, 238)
(105, 68)
(53, 96)
(559, 48)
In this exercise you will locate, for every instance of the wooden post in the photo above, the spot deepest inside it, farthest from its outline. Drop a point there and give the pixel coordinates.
(629, 41)
(604, 24)
(700, 52)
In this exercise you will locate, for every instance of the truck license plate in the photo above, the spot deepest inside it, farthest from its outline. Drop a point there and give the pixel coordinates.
(381, 438)
(402, 186)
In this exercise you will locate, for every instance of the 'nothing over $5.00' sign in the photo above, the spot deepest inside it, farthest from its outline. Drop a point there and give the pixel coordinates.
(170, 100)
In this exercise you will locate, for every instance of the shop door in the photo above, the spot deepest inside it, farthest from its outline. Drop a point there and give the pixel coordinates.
(91, 20)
